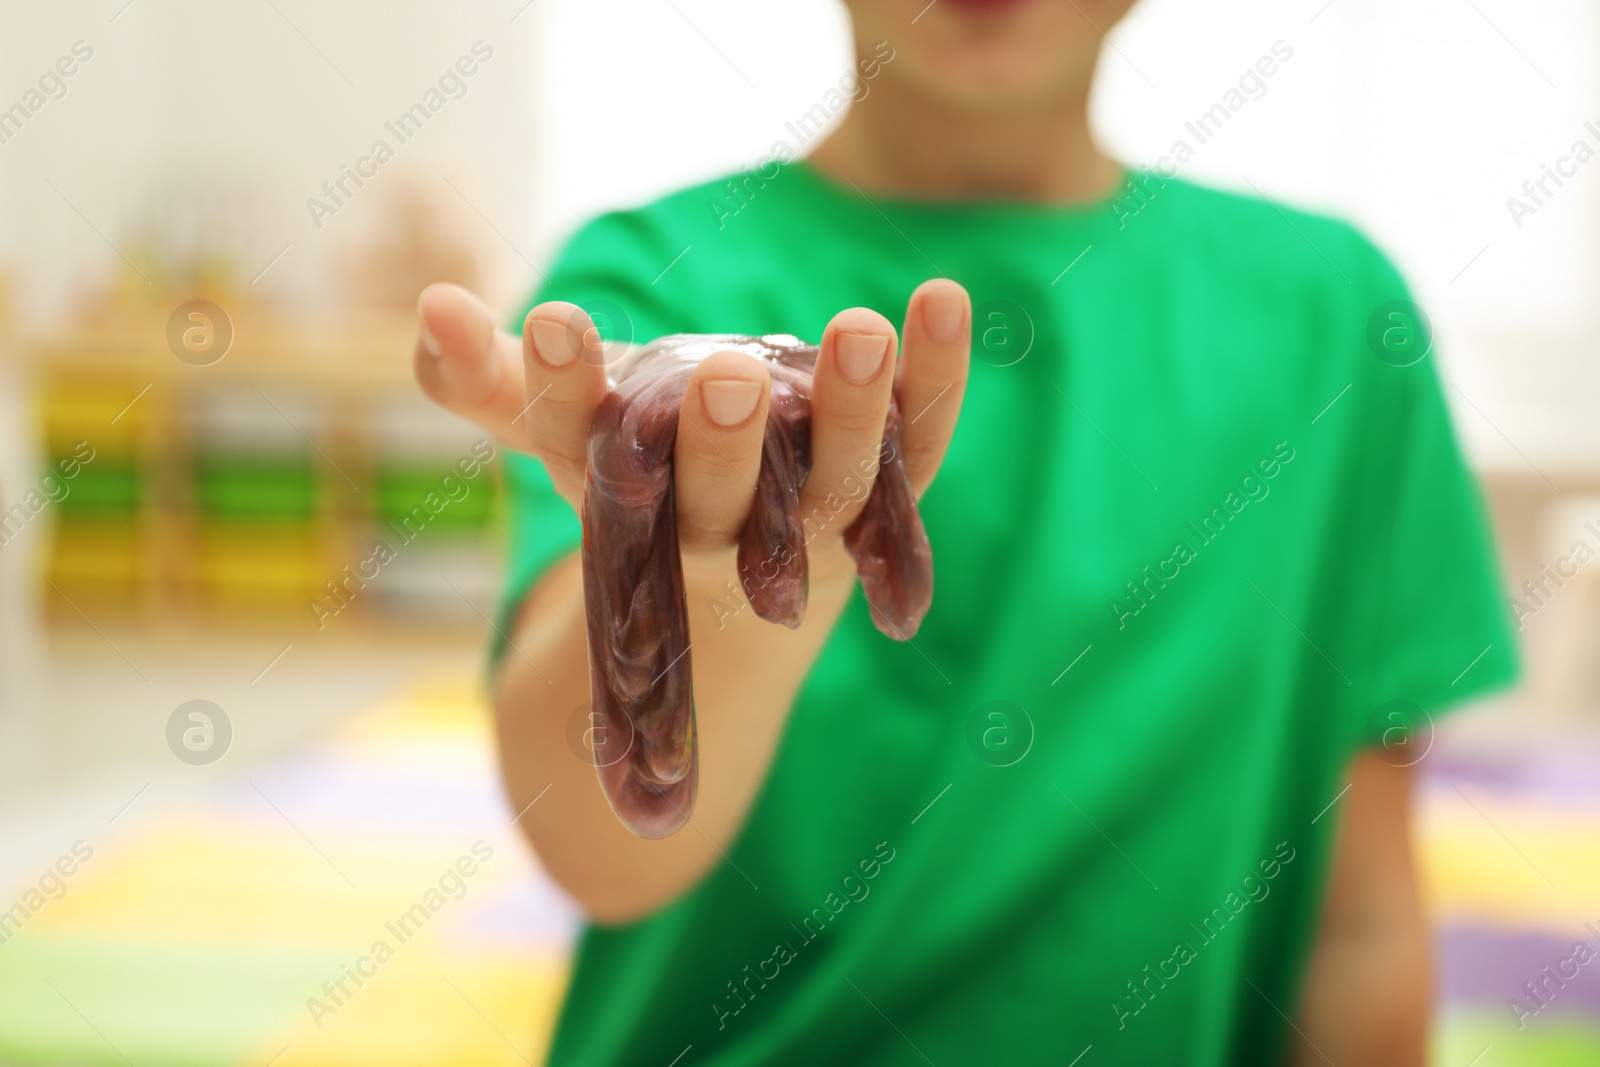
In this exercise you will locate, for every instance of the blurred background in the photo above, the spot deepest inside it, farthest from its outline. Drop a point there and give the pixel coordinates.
(246, 577)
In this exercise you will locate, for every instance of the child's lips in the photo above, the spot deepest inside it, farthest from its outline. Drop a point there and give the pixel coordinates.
(985, 7)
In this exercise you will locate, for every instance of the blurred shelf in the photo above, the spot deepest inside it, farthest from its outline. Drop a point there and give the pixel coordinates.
(255, 490)
(354, 353)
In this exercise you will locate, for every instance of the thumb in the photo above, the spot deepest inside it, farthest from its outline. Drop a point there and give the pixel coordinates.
(466, 365)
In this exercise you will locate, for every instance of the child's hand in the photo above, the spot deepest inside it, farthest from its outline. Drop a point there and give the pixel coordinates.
(540, 398)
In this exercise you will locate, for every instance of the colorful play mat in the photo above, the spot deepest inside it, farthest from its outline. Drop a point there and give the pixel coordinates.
(242, 928)
(366, 901)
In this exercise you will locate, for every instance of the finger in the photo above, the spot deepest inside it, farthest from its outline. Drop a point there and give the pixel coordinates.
(565, 380)
(467, 366)
(718, 453)
(849, 401)
(932, 375)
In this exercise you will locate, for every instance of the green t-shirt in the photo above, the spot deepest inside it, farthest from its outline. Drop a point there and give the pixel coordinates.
(1192, 539)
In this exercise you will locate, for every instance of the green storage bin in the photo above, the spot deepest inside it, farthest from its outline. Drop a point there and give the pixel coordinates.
(401, 488)
(255, 488)
(103, 488)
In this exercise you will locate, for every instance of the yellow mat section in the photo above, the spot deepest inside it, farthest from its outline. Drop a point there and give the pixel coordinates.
(363, 902)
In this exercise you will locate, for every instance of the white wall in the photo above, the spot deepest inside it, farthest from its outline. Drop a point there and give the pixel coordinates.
(637, 99)
(214, 123)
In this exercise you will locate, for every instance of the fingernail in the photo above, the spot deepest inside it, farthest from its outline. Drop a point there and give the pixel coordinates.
(552, 343)
(942, 313)
(730, 402)
(430, 344)
(860, 355)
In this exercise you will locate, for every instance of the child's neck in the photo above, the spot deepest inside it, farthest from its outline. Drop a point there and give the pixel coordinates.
(899, 142)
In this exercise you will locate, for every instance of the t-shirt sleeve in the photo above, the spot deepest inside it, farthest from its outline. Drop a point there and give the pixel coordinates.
(606, 268)
(1436, 621)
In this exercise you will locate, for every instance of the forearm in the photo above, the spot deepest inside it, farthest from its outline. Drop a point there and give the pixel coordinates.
(1368, 992)
(1367, 999)
(746, 674)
